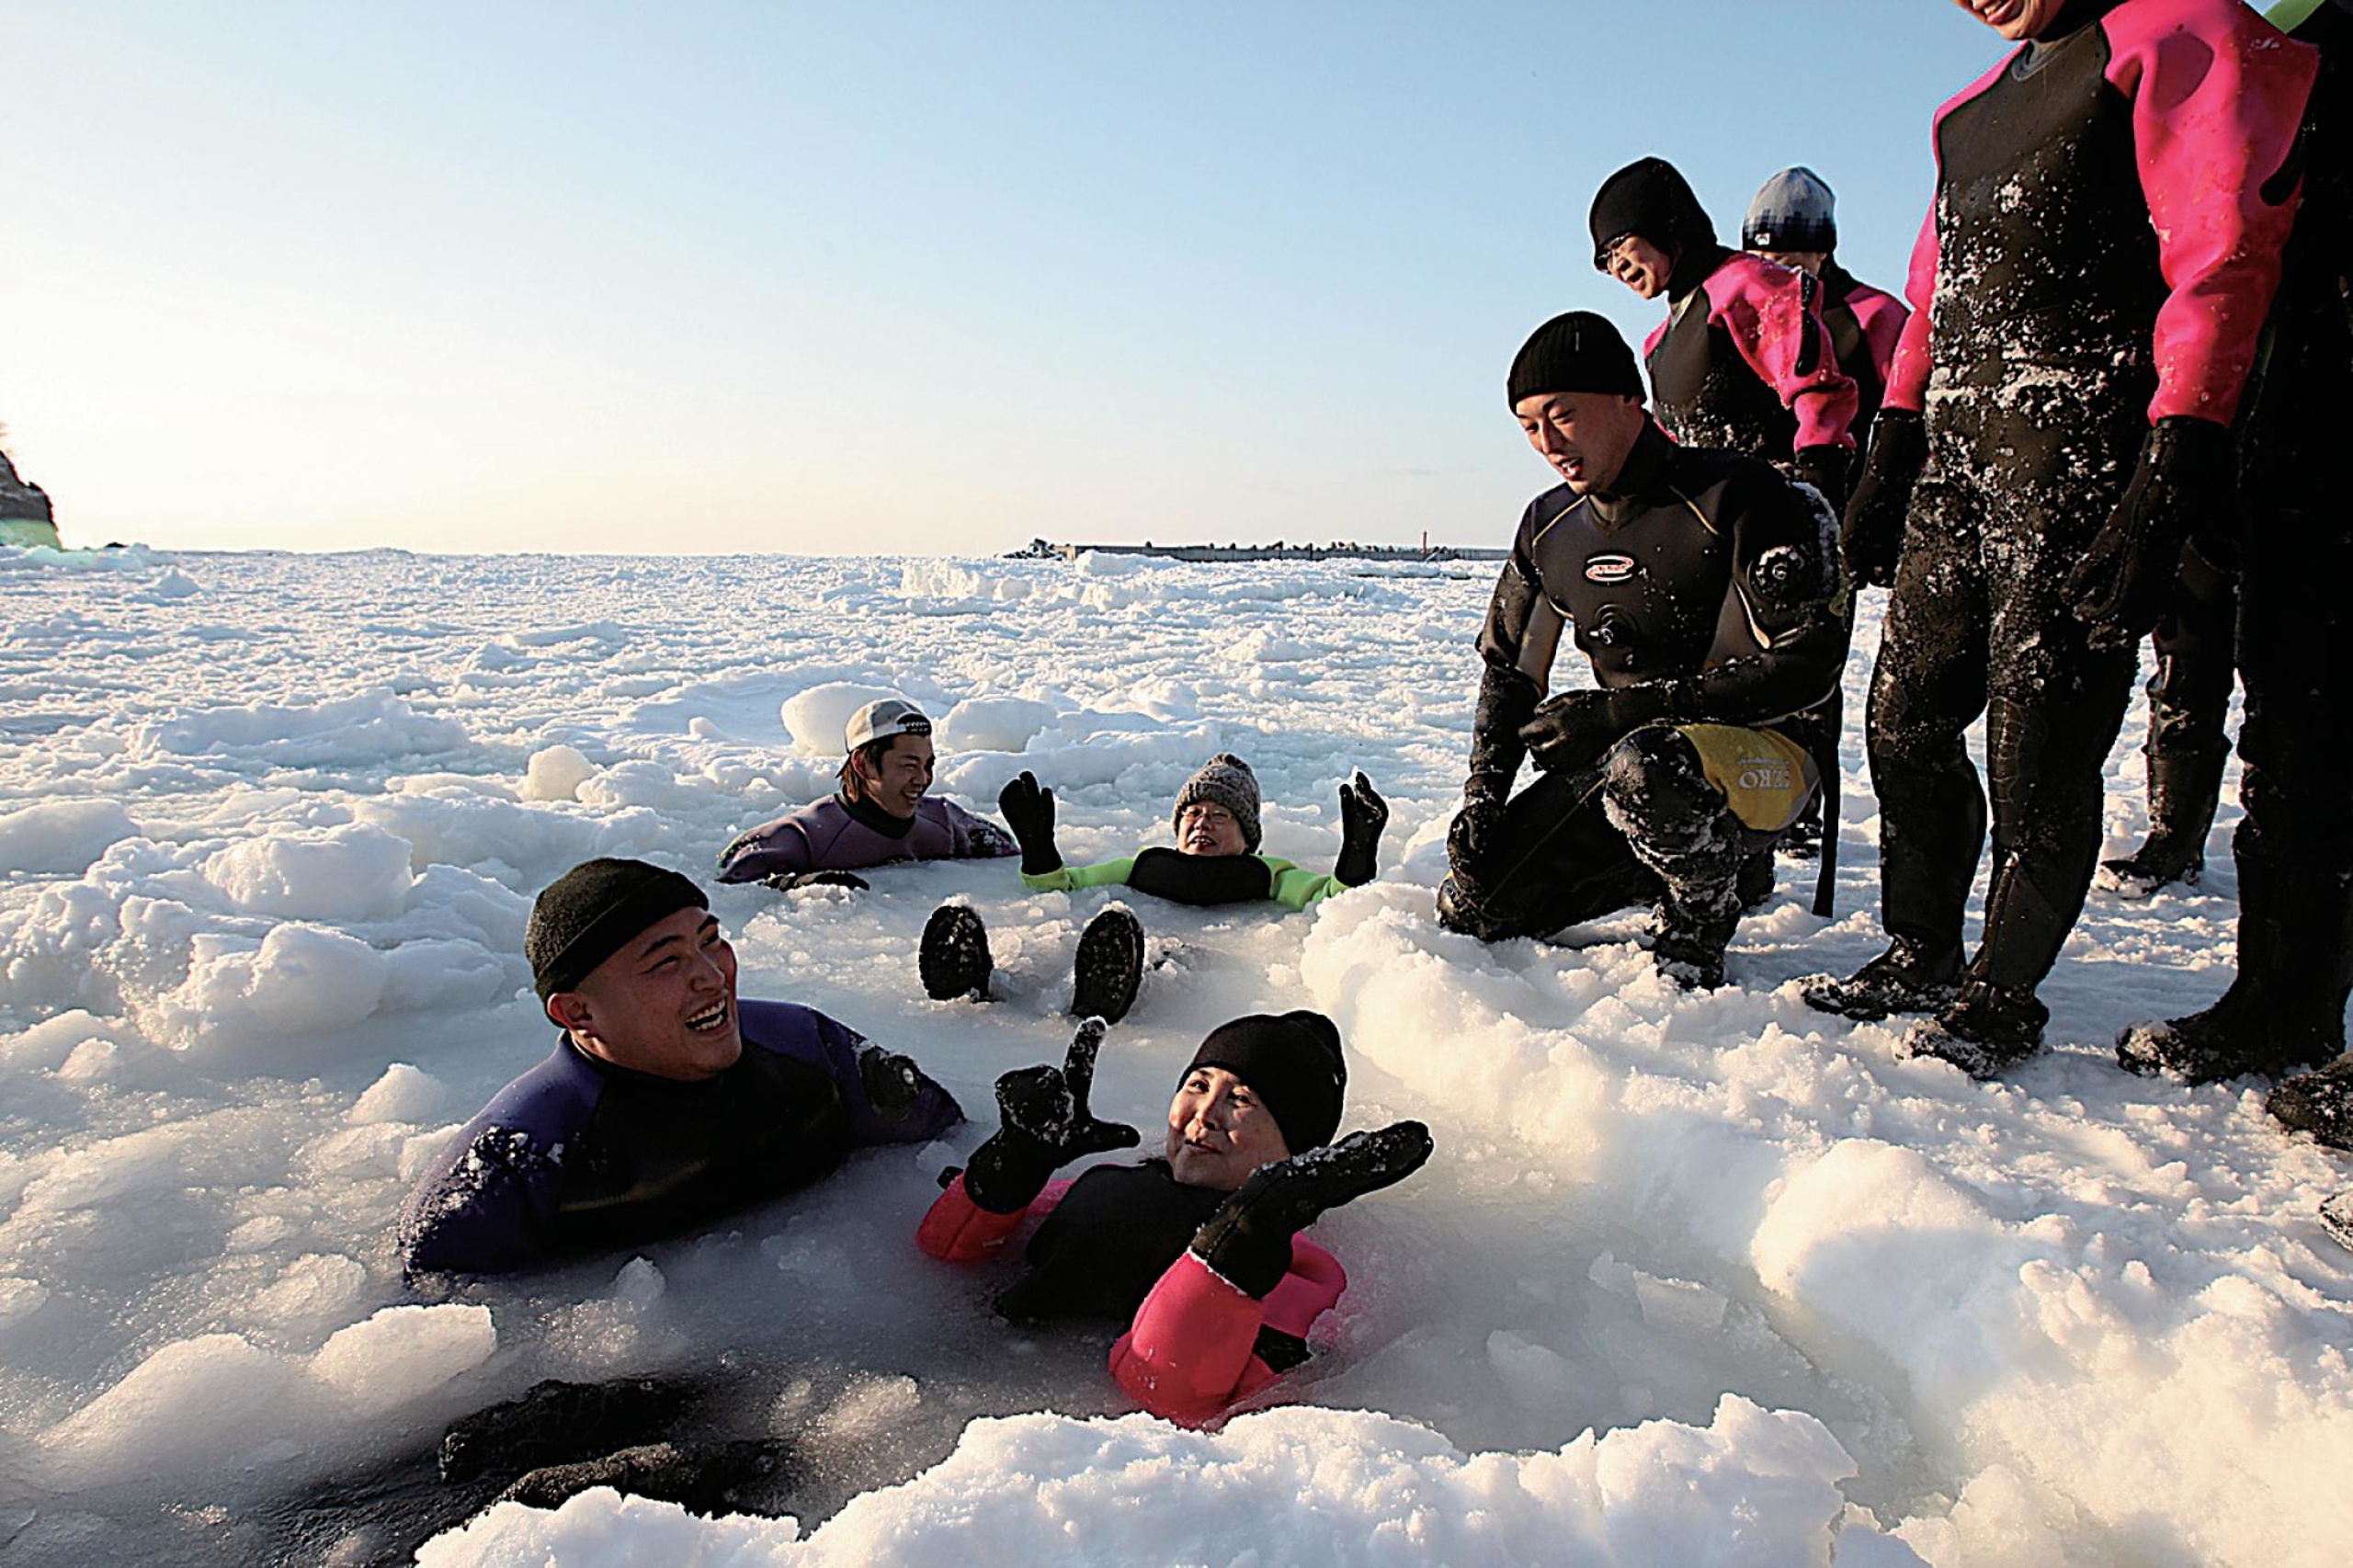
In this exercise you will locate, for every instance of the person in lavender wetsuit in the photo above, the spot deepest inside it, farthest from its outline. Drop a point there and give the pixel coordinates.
(882, 812)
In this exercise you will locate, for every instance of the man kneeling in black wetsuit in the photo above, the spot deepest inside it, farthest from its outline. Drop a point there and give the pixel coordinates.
(1704, 588)
(665, 1102)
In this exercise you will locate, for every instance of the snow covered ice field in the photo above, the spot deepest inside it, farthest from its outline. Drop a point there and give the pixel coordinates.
(1691, 1278)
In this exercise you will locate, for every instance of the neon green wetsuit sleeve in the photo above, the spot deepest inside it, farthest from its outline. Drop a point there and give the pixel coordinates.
(1065, 878)
(1295, 888)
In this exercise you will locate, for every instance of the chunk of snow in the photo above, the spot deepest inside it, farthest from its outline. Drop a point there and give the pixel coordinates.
(403, 1353)
(556, 773)
(60, 836)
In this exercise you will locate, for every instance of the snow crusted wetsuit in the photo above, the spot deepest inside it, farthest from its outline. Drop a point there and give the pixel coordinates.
(579, 1155)
(1116, 1243)
(2111, 201)
(1709, 582)
(838, 833)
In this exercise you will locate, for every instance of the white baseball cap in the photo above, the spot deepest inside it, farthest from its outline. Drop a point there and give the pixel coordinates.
(881, 721)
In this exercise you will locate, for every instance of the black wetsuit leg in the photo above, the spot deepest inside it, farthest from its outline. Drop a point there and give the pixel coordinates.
(2295, 847)
(1927, 687)
(2054, 707)
(2189, 701)
(1560, 861)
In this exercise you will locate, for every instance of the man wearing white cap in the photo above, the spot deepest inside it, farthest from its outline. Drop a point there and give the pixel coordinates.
(882, 813)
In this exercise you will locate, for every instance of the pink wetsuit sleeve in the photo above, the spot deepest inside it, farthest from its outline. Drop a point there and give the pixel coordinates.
(2218, 96)
(957, 1230)
(1192, 1350)
(1907, 376)
(1883, 317)
(1775, 319)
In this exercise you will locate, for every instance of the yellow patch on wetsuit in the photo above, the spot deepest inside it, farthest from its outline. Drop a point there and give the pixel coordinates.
(1767, 778)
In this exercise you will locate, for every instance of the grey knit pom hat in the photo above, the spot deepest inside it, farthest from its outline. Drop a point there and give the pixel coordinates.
(1224, 780)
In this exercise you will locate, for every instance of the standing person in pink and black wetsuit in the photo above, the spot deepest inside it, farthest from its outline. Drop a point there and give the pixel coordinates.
(1198, 1251)
(1743, 361)
(1793, 220)
(2087, 294)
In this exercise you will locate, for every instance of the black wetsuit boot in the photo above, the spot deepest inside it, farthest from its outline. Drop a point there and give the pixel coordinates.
(2190, 699)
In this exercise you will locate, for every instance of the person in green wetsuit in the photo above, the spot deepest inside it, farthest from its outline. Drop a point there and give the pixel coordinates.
(1215, 860)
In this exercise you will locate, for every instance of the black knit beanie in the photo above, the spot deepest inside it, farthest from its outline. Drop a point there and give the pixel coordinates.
(1651, 198)
(1292, 1063)
(589, 912)
(1579, 352)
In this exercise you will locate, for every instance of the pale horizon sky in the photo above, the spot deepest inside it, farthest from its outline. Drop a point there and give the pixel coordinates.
(709, 277)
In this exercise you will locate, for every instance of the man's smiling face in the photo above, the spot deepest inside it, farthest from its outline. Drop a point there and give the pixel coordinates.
(664, 1004)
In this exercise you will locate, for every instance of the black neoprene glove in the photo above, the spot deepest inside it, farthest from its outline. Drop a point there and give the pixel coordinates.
(1570, 731)
(1044, 1123)
(1363, 813)
(1030, 813)
(1872, 537)
(1247, 1241)
(785, 881)
(2186, 477)
(893, 1084)
(1476, 831)
(1825, 468)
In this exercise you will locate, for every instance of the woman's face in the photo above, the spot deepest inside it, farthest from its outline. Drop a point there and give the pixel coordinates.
(1206, 828)
(1219, 1131)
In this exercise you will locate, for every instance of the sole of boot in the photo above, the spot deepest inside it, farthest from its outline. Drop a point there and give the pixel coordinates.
(1109, 967)
(2127, 879)
(2336, 1216)
(1981, 1059)
(954, 959)
(2314, 1103)
(1871, 1002)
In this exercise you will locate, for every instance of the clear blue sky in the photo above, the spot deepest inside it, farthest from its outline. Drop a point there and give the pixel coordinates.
(842, 277)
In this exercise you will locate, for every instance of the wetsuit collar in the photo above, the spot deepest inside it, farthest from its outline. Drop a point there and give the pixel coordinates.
(1644, 468)
(1835, 281)
(640, 1082)
(868, 815)
(2072, 18)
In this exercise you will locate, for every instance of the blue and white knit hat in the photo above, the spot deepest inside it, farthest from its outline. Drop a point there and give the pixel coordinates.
(1795, 211)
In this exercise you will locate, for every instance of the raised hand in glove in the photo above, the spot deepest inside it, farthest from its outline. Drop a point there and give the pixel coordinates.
(1825, 468)
(2185, 480)
(1363, 813)
(1570, 731)
(1247, 1241)
(1044, 1123)
(1872, 537)
(1030, 813)
(785, 881)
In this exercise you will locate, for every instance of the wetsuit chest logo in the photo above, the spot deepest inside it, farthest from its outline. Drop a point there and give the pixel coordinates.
(1608, 568)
